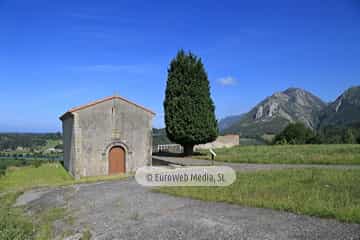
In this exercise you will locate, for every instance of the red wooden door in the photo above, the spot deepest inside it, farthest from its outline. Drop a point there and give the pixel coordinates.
(116, 160)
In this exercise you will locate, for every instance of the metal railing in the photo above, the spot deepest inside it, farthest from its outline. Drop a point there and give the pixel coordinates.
(173, 148)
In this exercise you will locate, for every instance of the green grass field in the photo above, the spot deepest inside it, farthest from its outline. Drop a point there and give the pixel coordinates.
(49, 174)
(290, 154)
(317, 192)
(14, 223)
(19, 179)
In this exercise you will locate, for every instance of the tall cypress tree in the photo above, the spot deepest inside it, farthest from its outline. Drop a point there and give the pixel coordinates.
(189, 109)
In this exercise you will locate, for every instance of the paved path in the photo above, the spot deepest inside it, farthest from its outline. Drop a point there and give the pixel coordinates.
(244, 166)
(125, 210)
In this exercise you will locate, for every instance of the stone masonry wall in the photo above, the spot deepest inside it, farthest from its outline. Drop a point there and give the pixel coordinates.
(220, 142)
(111, 123)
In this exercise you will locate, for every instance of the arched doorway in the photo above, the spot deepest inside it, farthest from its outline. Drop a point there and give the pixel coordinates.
(116, 160)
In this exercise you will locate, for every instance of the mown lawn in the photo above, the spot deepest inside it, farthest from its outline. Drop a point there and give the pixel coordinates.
(317, 192)
(290, 154)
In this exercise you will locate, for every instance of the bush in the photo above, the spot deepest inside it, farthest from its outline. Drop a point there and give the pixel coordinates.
(349, 136)
(37, 163)
(314, 140)
(296, 133)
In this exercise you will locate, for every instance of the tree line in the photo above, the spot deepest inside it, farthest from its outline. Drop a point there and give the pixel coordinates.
(298, 133)
(10, 141)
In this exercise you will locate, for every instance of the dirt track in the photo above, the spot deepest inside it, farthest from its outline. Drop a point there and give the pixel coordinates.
(125, 210)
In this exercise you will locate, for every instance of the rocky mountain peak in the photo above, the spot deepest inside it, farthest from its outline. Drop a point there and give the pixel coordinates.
(274, 113)
(295, 91)
(344, 110)
(352, 95)
(290, 104)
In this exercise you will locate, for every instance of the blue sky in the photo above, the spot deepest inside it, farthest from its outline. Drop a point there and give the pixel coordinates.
(55, 55)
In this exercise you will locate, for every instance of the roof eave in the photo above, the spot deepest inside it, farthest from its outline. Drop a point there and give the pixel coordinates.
(65, 115)
(75, 109)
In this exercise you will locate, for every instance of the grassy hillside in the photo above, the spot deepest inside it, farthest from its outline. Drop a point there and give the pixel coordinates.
(49, 174)
(291, 154)
(30, 176)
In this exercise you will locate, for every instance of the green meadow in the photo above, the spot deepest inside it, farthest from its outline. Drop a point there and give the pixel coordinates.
(46, 175)
(324, 193)
(290, 154)
(328, 193)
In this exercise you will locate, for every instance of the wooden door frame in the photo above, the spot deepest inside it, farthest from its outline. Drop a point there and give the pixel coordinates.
(124, 159)
(106, 154)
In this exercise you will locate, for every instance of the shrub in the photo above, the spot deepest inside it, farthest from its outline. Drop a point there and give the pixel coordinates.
(349, 136)
(296, 133)
(59, 146)
(37, 163)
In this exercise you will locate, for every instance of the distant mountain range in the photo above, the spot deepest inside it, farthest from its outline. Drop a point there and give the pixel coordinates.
(345, 110)
(274, 113)
(227, 122)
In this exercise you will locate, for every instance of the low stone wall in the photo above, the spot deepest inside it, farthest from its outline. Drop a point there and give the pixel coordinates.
(220, 142)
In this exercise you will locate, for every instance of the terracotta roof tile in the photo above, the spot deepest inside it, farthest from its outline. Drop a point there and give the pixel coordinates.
(104, 100)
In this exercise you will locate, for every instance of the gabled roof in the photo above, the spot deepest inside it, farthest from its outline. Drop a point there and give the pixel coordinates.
(101, 101)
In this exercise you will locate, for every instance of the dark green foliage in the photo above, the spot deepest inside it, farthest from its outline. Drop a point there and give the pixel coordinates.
(299, 134)
(160, 137)
(59, 146)
(340, 134)
(296, 133)
(37, 163)
(189, 109)
(315, 139)
(349, 136)
(26, 140)
(331, 134)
